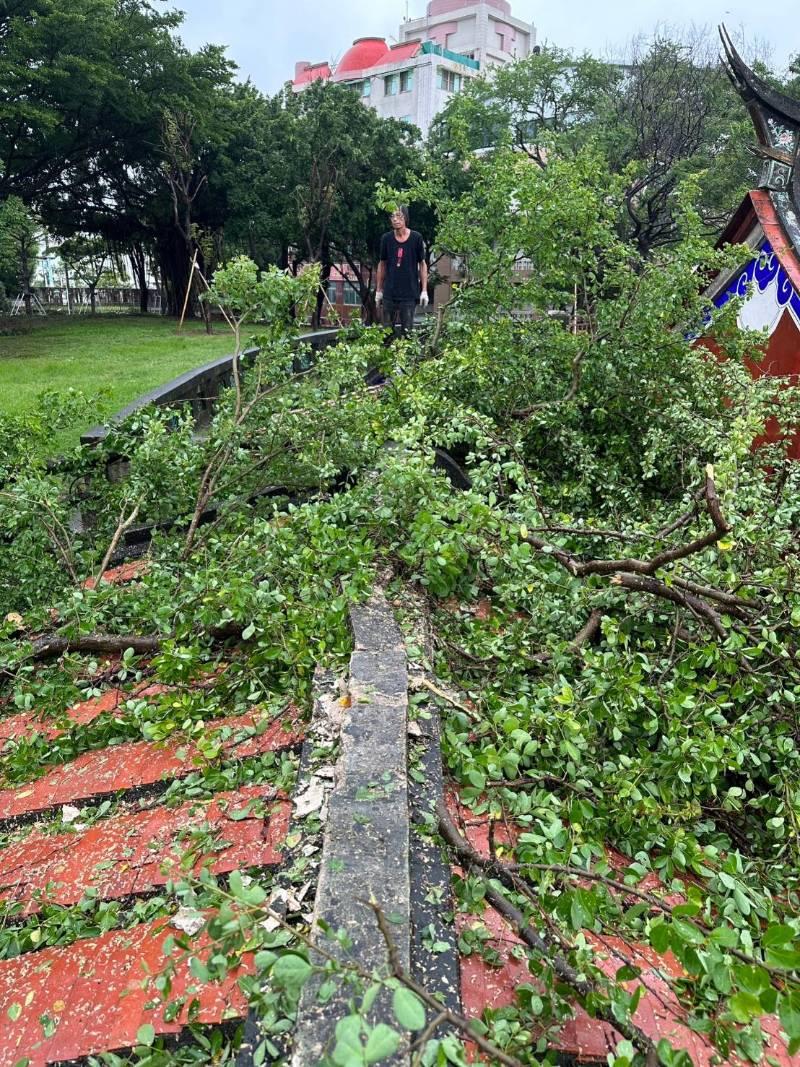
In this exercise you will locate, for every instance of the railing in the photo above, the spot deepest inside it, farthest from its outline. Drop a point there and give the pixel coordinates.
(79, 298)
(200, 388)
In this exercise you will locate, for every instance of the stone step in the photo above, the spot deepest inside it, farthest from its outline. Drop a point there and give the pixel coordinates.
(137, 764)
(134, 854)
(97, 993)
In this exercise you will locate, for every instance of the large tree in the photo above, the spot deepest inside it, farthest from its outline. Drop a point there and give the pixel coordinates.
(84, 92)
(665, 113)
(339, 151)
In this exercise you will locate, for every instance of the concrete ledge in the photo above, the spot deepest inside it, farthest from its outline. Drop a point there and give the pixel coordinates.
(200, 387)
(367, 838)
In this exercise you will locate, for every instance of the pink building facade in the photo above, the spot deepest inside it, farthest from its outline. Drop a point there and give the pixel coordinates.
(413, 78)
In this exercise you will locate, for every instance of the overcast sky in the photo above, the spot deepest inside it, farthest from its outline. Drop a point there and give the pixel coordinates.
(266, 37)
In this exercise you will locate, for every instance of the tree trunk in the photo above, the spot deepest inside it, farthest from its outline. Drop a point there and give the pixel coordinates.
(92, 301)
(26, 278)
(325, 261)
(138, 258)
(68, 288)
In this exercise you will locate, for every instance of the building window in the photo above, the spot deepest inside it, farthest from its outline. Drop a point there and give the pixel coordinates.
(366, 88)
(406, 81)
(449, 81)
(333, 295)
(406, 118)
(391, 84)
(351, 297)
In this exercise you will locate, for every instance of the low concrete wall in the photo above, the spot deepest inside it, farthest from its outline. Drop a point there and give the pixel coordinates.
(200, 387)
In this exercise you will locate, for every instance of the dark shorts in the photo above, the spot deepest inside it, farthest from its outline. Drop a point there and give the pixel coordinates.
(402, 310)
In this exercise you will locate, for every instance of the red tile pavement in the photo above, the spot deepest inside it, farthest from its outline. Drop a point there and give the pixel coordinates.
(134, 853)
(128, 572)
(660, 1013)
(142, 763)
(99, 992)
(17, 727)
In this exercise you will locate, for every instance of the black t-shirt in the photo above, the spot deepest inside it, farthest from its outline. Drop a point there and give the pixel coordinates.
(402, 259)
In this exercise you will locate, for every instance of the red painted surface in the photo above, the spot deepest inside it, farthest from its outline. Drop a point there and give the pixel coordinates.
(398, 53)
(142, 763)
(364, 53)
(305, 73)
(99, 992)
(660, 1013)
(16, 727)
(135, 853)
(128, 572)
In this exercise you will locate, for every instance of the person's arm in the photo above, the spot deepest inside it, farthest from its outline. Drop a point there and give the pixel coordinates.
(381, 271)
(423, 278)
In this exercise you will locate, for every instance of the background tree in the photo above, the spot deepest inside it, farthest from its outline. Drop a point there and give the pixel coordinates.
(340, 149)
(664, 113)
(87, 257)
(19, 249)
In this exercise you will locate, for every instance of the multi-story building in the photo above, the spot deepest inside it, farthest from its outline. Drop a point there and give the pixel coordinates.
(433, 58)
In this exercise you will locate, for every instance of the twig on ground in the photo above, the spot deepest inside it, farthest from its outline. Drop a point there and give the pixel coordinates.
(399, 972)
(495, 870)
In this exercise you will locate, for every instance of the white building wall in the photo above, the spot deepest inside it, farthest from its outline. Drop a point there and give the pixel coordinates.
(476, 33)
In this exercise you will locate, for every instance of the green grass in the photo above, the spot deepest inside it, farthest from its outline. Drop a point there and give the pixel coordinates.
(113, 358)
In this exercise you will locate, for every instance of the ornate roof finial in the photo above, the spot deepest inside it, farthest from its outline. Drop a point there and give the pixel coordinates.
(776, 117)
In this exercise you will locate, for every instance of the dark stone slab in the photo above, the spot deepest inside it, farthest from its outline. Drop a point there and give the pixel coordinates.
(431, 881)
(374, 627)
(365, 855)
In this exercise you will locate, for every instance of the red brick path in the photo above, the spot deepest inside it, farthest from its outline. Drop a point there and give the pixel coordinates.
(142, 763)
(132, 854)
(98, 993)
(16, 727)
(660, 1013)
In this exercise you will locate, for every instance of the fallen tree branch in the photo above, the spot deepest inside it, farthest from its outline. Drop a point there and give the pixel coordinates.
(124, 524)
(400, 973)
(584, 987)
(666, 592)
(53, 646)
(420, 681)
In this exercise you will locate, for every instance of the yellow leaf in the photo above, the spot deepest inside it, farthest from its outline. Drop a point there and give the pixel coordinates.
(725, 546)
(59, 1005)
(523, 532)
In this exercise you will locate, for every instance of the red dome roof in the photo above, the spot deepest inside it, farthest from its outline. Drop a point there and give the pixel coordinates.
(366, 52)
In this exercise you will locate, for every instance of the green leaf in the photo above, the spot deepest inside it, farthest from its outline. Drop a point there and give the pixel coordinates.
(744, 1007)
(369, 997)
(291, 972)
(145, 1035)
(408, 1009)
(14, 1012)
(787, 958)
(348, 1052)
(381, 1043)
(199, 969)
(777, 935)
(687, 932)
(248, 632)
(660, 937)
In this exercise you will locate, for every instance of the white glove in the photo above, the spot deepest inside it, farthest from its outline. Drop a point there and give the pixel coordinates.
(424, 299)
(379, 297)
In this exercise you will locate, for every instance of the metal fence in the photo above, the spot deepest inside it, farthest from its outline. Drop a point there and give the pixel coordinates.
(78, 299)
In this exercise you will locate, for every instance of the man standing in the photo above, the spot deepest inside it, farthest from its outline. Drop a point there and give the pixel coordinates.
(402, 273)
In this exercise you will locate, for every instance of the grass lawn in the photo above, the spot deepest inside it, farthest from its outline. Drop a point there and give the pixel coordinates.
(112, 357)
